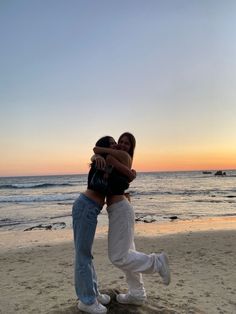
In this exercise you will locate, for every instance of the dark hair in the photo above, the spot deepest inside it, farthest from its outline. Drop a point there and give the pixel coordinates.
(104, 141)
(132, 141)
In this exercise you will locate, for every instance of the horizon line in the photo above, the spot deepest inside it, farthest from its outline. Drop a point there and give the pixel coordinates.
(85, 173)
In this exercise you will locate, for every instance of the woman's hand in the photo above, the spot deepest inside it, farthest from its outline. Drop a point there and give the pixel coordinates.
(133, 176)
(100, 162)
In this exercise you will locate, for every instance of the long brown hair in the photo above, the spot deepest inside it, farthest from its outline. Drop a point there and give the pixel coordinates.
(131, 140)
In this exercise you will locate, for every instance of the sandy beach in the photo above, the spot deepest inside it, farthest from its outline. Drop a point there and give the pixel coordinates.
(37, 269)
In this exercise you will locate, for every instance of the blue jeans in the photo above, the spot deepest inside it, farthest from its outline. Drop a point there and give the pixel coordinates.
(84, 215)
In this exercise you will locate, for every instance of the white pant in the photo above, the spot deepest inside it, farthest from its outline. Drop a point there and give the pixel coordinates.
(121, 247)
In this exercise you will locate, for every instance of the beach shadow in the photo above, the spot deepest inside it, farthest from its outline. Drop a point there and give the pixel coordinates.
(151, 307)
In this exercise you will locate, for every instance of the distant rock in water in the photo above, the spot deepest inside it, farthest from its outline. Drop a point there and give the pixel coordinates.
(206, 172)
(220, 173)
(53, 226)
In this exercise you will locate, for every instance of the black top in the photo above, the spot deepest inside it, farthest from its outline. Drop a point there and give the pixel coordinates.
(116, 182)
(91, 173)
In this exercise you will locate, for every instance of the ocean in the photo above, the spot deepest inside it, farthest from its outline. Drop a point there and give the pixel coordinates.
(30, 201)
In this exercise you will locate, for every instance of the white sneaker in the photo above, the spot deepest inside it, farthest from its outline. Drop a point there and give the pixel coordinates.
(129, 299)
(95, 308)
(104, 299)
(163, 267)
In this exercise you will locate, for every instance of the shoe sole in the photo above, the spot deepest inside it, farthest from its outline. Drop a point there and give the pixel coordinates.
(81, 308)
(131, 302)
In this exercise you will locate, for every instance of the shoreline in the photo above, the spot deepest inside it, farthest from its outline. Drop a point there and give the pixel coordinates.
(19, 239)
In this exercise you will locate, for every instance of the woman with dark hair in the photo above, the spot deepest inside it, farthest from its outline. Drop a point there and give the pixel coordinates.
(85, 210)
(121, 247)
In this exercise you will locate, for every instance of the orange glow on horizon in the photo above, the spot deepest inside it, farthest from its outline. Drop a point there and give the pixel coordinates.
(189, 162)
(143, 163)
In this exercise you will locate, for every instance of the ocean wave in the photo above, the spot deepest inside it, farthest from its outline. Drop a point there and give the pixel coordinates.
(215, 201)
(8, 223)
(38, 198)
(151, 193)
(33, 185)
(180, 192)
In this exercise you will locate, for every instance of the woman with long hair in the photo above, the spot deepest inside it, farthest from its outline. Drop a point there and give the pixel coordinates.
(121, 247)
(85, 210)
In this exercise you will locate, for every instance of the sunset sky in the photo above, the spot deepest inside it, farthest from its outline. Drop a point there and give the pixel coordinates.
(72, 71)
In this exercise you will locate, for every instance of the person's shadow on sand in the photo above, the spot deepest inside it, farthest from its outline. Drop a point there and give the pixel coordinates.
(116, 308)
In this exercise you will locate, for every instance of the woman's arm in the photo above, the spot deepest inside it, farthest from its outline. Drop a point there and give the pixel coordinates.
(130, 174)
(120, 155)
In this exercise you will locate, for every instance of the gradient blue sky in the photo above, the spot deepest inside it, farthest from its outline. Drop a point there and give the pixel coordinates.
(72, 71)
